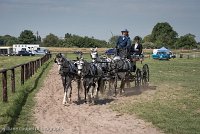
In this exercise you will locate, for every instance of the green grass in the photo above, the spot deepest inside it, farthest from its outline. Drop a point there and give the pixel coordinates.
(174, 106)
(9, 61)
(10, 110)
(25, 119)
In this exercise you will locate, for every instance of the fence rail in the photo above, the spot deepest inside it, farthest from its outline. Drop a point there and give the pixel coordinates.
(27, 70)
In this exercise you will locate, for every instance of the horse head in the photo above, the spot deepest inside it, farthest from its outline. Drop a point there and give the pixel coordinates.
(63, 63)
(94, 53)
(79, 64)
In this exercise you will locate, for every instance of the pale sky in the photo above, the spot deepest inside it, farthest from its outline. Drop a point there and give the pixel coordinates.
(98, 18)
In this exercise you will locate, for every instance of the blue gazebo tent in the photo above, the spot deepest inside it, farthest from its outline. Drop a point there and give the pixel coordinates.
(163, 49)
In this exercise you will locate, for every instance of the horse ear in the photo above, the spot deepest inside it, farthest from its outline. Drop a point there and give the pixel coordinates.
(96, 49)
(62, 55)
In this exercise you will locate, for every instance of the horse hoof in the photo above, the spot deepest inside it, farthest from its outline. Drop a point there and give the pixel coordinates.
(91, 104)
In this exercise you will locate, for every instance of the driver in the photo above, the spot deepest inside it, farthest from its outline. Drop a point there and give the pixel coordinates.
(123, 43)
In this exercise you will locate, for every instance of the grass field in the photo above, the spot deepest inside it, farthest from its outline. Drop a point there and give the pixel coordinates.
(9, 61)
(6, 108)
(174, 105)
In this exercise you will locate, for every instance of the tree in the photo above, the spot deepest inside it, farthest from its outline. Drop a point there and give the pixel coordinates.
(147, 38)
(113, 40)
(50, 40)
(8, 40)
(148, 45)
(27, 37)
(163, 34)
(67, 35)
(187, 41)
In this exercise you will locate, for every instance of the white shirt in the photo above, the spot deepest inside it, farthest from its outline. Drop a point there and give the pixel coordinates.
(136, 45)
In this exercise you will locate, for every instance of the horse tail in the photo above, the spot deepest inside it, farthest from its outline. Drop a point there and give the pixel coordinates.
(101, 85)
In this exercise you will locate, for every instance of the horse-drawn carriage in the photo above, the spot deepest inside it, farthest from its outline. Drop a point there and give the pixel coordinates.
(103, 69)
(117, 68)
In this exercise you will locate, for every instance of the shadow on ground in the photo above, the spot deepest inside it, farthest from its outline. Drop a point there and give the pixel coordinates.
(138, 90)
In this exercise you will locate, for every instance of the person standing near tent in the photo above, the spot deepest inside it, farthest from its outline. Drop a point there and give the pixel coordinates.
(123, 44)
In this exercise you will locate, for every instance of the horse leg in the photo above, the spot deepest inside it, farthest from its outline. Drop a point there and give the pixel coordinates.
(128, 83)
(115, 86)
(65, 92)
(79, 86)
(64, 98)
(70, 93)
(86, 90)
(122, 86)
(92, 93)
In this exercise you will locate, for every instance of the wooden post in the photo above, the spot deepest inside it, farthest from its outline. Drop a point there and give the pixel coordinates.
(22, 74)
(13, 80)
(4, 83)
(26, 71)
(33, 67)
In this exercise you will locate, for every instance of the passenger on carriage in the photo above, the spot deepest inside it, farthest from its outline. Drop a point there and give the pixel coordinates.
(135, 52)
(136, 49)
(123, 44)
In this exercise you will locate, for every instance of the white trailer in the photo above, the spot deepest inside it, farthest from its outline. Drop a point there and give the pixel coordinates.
(24, 47)
(6, 50)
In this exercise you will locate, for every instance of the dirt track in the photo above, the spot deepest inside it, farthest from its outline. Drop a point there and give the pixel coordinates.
(52, 117)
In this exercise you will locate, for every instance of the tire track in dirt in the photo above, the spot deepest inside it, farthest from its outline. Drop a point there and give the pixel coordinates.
(52, 117)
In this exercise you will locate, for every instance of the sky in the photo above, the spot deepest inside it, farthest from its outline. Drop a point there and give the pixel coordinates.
(98, 18)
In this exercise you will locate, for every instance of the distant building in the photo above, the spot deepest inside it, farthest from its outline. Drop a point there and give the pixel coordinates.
(24, 47)
(6, 50)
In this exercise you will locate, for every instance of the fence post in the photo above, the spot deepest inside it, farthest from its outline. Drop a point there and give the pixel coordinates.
(13, 80)
(22, 75)
(29, 70)
(26, 71)
(4, 80)
(32, 68)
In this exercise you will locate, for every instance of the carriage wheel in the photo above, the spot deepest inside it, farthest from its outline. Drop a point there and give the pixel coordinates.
(145, 75)
(138, 77)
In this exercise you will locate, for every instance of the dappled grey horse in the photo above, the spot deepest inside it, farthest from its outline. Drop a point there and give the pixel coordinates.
(92, 79)
(68, 72)
(116, 68)
(105, 64)
(122, 67)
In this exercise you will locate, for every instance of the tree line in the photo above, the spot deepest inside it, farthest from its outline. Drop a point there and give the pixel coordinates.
(51, 40)
(162, 34)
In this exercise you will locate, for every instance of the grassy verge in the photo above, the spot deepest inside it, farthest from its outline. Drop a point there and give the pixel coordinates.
(17, 113)
(174, 106)
(9, 61)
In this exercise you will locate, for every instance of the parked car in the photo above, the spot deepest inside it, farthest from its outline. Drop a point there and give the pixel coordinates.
(41, 51)
(172, 55)
(24, 53)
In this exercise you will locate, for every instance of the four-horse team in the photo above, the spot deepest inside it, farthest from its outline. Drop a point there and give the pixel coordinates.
(93, 76)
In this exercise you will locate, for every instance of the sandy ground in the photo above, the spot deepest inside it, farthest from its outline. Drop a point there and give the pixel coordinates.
(52, 117)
